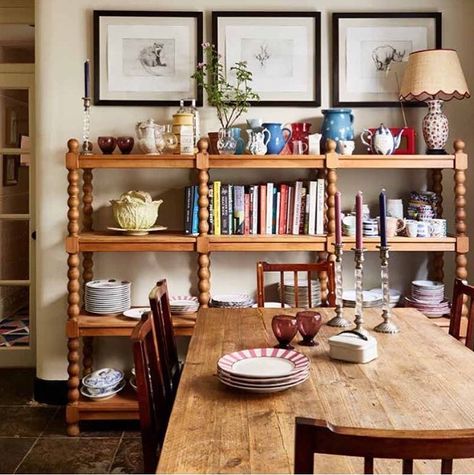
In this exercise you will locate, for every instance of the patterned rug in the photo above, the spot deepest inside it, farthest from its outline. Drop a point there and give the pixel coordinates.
(15, 331)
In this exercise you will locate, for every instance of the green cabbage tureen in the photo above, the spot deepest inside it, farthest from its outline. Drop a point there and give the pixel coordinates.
(135, 210)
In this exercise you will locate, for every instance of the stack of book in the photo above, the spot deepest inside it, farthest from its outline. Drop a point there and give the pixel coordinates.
(296, 208)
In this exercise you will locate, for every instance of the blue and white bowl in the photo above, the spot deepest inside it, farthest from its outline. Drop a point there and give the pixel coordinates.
(103, 379)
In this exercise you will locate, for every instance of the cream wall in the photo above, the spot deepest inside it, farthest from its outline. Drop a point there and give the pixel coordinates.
(64, 40)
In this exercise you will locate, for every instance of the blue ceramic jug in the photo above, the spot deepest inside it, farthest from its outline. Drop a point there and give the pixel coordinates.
(337, 125)
(277, 141)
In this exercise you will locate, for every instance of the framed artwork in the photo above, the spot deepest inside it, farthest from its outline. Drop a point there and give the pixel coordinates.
(146, 57)
(370, 53)
(10, 170)
(282, 49)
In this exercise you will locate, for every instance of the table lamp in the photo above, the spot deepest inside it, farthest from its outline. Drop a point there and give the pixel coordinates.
(434, 76)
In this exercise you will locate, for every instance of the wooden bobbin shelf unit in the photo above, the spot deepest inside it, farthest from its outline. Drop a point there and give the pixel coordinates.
(83, 239)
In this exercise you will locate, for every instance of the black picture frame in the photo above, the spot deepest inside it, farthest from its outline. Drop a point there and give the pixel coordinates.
(98, 14)
(315, 101)
(11, 164)
(336, 56)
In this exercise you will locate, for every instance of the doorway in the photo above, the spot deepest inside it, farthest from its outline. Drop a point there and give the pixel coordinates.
(17, 226)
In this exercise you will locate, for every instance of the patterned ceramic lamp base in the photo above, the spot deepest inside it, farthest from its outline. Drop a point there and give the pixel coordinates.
(435, 128)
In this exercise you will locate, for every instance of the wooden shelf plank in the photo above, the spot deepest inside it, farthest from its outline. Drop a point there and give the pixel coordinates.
(123, 405)
(264, 242)
(396, 161)
(405, 243)
(267, 161)
(108, 241)
(89, 324)
(117, 160)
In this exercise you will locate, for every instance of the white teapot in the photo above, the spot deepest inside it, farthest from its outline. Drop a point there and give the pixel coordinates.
(381, 142)
(150, 137)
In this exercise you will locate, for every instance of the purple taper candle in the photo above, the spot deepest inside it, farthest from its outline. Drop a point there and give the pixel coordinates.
(337, 209)
(358, 207)
(383, 218)
(86, 79)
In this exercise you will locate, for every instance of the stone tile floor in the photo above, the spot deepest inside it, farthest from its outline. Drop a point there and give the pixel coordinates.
(33, 436)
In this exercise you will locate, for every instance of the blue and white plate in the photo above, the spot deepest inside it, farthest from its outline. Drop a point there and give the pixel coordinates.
(103, 378)
(91, 394)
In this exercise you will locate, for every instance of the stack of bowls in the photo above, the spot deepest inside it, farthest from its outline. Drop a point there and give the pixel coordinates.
(428, 297)
(102, 384)
(422, 205)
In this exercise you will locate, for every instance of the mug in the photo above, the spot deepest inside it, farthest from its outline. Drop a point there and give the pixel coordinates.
(395, 208)
(299, 147)
(348, 225)
(314, 144)
(423, 229)
(393, 226)
(437, 227)
(411, 228)
(346, 147)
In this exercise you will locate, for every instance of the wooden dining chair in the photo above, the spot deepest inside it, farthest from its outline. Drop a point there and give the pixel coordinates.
(321, 268)
(320, 437)
(154, 407)
(170, 364)
(462, 292)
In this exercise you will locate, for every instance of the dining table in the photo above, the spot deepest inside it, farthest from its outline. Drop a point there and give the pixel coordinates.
(423, 378)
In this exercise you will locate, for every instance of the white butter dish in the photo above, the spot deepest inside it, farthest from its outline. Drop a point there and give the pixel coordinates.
(353, 346)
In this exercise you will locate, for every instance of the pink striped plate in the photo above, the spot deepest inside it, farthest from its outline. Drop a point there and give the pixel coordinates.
(263, 363)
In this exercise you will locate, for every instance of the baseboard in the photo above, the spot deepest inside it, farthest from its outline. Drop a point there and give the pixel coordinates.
(50, 391)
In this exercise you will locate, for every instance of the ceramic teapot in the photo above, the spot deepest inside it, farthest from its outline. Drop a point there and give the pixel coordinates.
(258, 141)
(381, 142)
(150, 137)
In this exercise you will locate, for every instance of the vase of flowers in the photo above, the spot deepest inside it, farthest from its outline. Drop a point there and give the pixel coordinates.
(230, 96)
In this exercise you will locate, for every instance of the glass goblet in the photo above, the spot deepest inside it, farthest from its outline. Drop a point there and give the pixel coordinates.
(284, 328)
(309, 323)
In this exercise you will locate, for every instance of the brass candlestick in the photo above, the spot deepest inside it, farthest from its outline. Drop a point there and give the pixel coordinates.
(387, 326)
(338, 320)
(86, 148)
(359, 279)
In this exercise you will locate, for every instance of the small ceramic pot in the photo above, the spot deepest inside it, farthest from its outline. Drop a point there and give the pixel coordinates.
(125, 144)
(107, 144)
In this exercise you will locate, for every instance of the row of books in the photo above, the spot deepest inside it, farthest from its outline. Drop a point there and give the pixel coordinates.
(296, 208)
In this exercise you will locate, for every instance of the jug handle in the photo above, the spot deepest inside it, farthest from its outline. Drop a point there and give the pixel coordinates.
(369, 137)
(351, 115)
(290, 133)
(269, 136)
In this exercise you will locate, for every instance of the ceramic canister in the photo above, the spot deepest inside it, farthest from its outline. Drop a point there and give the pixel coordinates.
(337, 125)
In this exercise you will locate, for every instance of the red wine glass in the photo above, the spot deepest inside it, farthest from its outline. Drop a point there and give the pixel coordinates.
(284, 328)
(309, 323)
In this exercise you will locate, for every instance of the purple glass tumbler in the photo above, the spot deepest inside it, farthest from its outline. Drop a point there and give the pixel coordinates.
(284, 328)
(309, 324)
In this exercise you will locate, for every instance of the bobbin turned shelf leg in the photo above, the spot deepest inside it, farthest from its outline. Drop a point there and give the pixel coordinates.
(204, 274)
(322, 256)
(87, 263)
(73, 287)
(437, 266)
(460, 214)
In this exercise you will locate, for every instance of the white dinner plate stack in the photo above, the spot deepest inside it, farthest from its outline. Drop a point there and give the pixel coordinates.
(183, 304)
(263, 370)
(428, 297)
(302, 291)
(395, 295)
(107, 296)
(369, 299)
(231, 301)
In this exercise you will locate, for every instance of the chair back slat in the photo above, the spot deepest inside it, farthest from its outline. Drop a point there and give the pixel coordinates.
(368, 465)
(314, 436)
(160, 307)
(322, 267)
(462, 292)
(407, 466)
(153, 407)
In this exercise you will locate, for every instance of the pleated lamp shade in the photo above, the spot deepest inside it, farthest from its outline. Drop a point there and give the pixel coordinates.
(433, 74)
